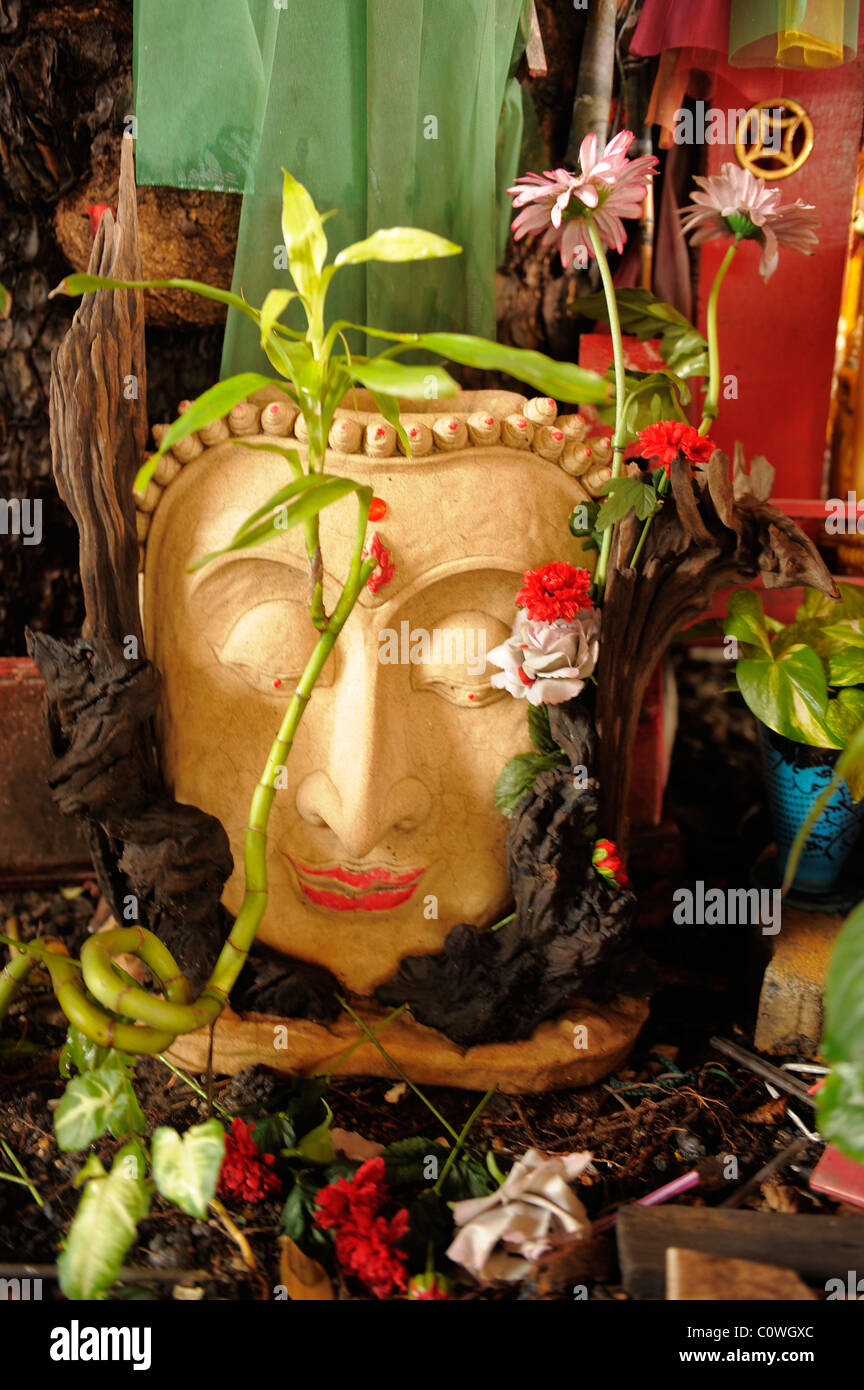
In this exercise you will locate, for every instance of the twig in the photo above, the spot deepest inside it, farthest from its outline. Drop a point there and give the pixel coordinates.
(762, 1069)
(10, 1154)
(778, 1162)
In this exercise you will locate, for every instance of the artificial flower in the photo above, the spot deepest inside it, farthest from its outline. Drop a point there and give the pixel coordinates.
(560, 204)
(386, 567)
(365, 1240)
(554, 591)
(427, 1288)
(668, 439)
(545, 663)
(608, 862)
(736, 204)
(535, 1208)
(245, 1175)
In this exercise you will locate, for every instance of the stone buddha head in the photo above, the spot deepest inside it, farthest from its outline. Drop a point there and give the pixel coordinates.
(384, 833)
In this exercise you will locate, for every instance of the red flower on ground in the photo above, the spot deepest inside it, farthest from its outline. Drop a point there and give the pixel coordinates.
(668, 439)
(365, 1240)
(245, 1174)
(608, 862)
(554, 591)
(386, 568)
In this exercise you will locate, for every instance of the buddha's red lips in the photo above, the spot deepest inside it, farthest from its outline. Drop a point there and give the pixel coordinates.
(370, 890)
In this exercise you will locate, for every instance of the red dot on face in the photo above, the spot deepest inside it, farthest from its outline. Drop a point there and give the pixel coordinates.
(380, 432)
(557, 434)
(453, 425)
(471, 697)
(413, 432)
(377, 509)
(276, 683)
(521, 424)
(490, 420)
(549, 400)
(273, 409)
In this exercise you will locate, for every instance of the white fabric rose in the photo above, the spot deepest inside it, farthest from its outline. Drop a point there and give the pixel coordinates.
(502, 1235)
(547, 663)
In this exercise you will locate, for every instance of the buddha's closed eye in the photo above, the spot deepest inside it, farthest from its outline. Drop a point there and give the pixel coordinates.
(269, 645)
(449, 659)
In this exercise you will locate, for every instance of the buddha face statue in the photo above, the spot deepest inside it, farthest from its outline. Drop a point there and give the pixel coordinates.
(383, 833)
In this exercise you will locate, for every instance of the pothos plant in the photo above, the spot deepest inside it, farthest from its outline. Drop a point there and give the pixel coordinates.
(105, 1007)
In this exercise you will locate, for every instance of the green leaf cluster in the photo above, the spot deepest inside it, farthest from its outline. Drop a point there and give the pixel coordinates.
(841, 1099)
(625, 495)
(643, 316)
(804, 679)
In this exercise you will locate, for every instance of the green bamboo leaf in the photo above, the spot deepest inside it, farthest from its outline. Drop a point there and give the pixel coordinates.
(87, 284)
(275, 304)
(95, 1103)
(209, 406)
(104, 1227)
(307, 482)
(397, 244)
(789, 695)
(389, 378)
(291, 456)
(323, 491)
(304, 237)
(388, 406)
(562, 380)
(186, 1167)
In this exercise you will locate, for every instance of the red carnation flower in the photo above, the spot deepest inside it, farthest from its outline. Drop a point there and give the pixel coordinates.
(608, 862)
(365, 1240)
(554, 591)
(245, 1174)
(669, 439)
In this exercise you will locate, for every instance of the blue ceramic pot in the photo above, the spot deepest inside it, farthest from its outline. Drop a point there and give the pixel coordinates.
(796, 774)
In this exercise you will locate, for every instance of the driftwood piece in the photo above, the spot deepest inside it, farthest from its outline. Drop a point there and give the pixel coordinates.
(570, 932)
(725, 533)
(816, 1247)
(158, 863)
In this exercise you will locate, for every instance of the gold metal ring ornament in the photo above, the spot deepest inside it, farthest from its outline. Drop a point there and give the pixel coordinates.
(774, 138)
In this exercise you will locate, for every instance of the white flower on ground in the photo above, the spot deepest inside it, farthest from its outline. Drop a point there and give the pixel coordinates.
(534, 1209)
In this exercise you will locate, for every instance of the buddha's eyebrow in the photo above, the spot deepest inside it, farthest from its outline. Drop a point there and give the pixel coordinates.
(220, 595)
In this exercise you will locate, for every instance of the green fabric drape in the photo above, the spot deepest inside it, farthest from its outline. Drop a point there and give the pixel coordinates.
(390, 111)
(793, 33)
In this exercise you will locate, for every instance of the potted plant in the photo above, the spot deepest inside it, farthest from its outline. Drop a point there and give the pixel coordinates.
(804, 682)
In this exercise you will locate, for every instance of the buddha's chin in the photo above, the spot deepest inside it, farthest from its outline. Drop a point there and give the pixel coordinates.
(364, 945)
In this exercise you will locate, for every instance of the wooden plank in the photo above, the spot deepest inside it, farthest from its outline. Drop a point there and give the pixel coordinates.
(816, 1247)
(692, 1277)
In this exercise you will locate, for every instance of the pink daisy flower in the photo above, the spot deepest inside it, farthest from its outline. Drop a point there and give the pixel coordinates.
(559, 204)
(735, 203)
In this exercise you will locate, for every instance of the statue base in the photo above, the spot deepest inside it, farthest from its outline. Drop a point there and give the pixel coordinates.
(585, 1044)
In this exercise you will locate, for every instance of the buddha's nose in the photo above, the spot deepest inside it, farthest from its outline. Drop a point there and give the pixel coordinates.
(363, 790)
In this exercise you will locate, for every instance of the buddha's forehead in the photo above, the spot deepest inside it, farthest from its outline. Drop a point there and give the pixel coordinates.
(484, 508)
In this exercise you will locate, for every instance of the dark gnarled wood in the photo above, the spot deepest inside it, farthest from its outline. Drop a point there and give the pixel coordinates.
(728, 534)
(101, 691)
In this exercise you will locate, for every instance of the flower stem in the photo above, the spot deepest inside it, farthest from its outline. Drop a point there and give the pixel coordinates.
(712, 396)
(662, 487)
(620, 383)
(463, 1135)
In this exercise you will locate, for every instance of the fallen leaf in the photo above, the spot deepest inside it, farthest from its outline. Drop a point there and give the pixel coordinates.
(771, 1113)
(354, 1146)
(304, 1279)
